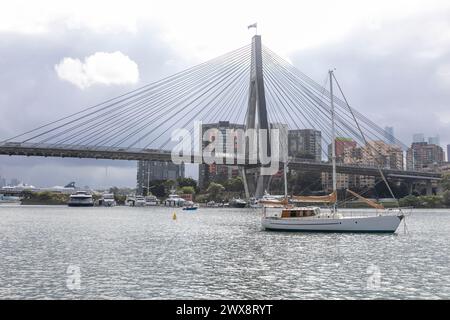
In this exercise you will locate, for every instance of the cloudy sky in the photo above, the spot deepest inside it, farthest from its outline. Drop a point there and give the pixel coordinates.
(57, 57)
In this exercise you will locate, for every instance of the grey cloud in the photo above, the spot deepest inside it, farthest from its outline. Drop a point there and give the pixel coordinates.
(390, 73)
(31, 94)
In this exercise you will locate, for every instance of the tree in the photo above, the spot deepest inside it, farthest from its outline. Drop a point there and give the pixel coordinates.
(304, 183)
(445, 182)
(187, 190)
(215, 191)
(234, 184)
(430, 201)
(446, 198)
(158, 188)
(187, 182)
(409, 201)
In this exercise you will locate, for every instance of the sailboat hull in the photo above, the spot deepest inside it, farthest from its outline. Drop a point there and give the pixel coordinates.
(377, 224)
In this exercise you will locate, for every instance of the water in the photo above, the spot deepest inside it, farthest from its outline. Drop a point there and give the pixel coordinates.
(141, 253)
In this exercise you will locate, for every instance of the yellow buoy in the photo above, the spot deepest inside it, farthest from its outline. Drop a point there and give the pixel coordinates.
(174, 217)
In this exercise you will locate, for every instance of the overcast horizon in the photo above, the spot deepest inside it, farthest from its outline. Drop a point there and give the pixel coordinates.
(58, 57)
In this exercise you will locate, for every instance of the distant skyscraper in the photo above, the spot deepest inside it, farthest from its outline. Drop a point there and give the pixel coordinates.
(434, 140)
(418, 137)
(389, 135)
(448, 153)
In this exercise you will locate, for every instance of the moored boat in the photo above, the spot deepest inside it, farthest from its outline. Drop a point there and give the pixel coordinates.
(280, 215)
(238, 203)
(151, 201)
(81, 199)
(108, 200)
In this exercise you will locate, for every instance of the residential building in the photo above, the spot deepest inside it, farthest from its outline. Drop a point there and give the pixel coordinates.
(305, 143)
(422, 155)
(148, 171)
(219, 172)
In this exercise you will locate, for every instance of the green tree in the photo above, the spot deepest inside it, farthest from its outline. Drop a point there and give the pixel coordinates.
(445, 182)
(215, 191)
(446, 198)
(187, 190)
(158, 188)
(234, 185)
(430, 201)
(186, 182)
(304, 183)
(409, 201)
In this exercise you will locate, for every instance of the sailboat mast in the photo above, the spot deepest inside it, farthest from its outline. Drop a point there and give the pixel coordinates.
(285, 179)
(333, 135)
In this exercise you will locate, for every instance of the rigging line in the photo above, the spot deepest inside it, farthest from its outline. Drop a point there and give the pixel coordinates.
(309, 96)
(242, 104)
(238, 96)
(355, 135)
(133, 93)
(211, 118)
(201, 110)
(338, 101)
(362, 134)
(362, 193)
(191, 95)
(277, 113)
(271, 112)
(211, 106)
(190, 103)
(293, 109)
(200, 105)
(289, 87)
(314, 101)
(196, 73)
(159, 100)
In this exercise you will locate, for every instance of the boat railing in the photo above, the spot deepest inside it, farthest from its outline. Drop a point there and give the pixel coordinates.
(406, 211)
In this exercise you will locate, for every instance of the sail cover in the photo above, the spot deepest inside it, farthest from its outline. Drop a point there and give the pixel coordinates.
(371, 203)
(330, 198)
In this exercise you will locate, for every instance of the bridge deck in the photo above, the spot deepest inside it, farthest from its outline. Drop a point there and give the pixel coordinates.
(73, 151)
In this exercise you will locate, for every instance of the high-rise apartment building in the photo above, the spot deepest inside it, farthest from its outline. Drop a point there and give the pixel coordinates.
(148, 171)
(305, 143)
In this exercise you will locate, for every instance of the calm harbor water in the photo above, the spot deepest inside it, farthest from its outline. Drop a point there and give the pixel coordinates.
(141, 253)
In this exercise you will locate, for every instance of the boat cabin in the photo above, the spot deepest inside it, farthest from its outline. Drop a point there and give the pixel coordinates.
(300, 212)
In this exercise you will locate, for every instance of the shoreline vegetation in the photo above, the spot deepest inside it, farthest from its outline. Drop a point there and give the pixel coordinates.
(224, 191)
(435, 201)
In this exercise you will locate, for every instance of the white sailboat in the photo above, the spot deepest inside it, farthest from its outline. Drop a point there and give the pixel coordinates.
(282, 216)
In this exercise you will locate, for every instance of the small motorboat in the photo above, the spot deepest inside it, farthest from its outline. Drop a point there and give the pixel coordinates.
(190, 206)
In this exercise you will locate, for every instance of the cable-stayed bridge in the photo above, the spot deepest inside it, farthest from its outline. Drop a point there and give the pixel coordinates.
(251, 86)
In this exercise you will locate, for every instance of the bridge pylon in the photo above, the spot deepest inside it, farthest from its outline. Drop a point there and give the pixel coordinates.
(254, 182)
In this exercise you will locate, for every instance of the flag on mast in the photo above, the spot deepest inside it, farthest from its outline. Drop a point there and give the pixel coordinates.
(252, 26)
